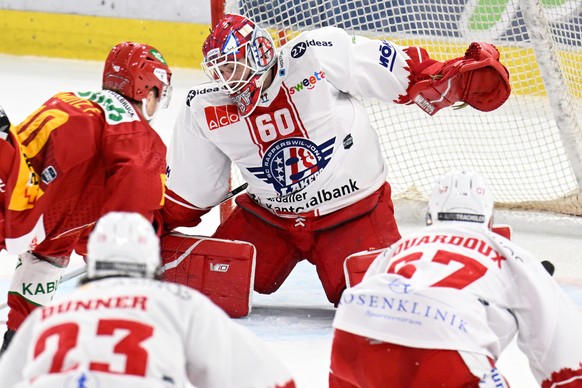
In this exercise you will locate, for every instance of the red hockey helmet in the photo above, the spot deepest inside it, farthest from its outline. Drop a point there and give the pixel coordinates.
(132, 69)
(237, 55)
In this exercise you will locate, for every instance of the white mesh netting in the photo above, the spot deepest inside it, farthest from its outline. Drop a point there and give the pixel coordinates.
(530, 149)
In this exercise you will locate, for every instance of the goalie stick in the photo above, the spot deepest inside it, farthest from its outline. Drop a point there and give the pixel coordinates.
(234, 192)
(81, 270)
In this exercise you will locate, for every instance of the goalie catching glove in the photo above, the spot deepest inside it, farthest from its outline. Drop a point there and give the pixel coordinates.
(477, 79)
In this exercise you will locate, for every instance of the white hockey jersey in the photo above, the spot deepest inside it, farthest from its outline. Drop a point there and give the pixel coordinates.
(123, 332)
(446, 287)
(308, 148)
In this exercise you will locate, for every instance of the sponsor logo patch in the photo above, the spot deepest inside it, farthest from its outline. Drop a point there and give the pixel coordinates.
(219, 267)
(48, 175)
(308, 83)
(387, 55)
(300, 48)
(221, 116)
(196, 92)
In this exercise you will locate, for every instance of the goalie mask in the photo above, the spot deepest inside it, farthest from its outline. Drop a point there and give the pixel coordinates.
(238, 55)
(461, 196)
(133, 69)
(123, 244)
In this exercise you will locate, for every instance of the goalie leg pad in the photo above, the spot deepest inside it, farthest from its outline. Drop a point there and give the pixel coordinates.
(223, 270)
(356, 265)
(502, 230)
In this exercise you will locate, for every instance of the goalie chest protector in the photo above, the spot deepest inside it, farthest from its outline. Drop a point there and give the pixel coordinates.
(223, 270)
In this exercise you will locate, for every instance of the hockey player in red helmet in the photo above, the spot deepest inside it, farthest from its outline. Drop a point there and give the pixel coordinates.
(292, 121)
(81, 155)
(134, 71)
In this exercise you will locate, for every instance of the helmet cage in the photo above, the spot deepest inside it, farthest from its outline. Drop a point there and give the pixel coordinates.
(235, 63)
(165, 89)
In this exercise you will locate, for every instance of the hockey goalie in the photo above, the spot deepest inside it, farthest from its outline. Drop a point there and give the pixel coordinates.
(292, 121)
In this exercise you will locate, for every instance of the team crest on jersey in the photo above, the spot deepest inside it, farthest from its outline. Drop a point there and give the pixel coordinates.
(293, 163)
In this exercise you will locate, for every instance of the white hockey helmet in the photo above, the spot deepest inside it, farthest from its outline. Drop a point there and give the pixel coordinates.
(123, 244)
(461, 196)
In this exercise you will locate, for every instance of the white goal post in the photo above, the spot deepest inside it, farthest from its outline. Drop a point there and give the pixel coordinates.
(530, 149)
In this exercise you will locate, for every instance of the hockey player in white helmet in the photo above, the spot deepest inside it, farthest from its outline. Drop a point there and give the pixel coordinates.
(461, 196)
(124, 328)
(440, 306)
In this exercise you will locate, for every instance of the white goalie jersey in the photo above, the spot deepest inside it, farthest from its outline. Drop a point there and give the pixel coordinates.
(124, 332)
(446, 287)
(308, 147)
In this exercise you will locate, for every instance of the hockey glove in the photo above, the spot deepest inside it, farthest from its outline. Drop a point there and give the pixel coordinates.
(477, 79)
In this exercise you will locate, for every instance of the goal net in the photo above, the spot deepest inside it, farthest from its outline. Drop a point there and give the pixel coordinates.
(530, 149)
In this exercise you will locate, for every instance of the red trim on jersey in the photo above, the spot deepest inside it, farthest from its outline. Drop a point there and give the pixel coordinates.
(270, 124)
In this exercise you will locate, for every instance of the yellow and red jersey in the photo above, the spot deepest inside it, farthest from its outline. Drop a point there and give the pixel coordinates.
(81, 156)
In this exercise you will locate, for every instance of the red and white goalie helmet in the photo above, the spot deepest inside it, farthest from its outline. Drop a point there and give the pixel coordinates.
(133, 69)
(238, 55)
(461, 196)
(123, 244)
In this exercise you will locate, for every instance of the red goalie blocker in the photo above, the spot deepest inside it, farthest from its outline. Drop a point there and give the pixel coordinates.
(223, 270)
(356, 264)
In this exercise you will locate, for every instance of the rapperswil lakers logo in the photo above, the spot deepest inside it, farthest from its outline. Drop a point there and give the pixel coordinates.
(291, 164)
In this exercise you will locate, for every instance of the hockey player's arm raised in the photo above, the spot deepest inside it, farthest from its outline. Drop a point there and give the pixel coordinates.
(361, 66)
(383, 70)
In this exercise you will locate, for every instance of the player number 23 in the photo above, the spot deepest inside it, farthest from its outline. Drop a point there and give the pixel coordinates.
(129, 345)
